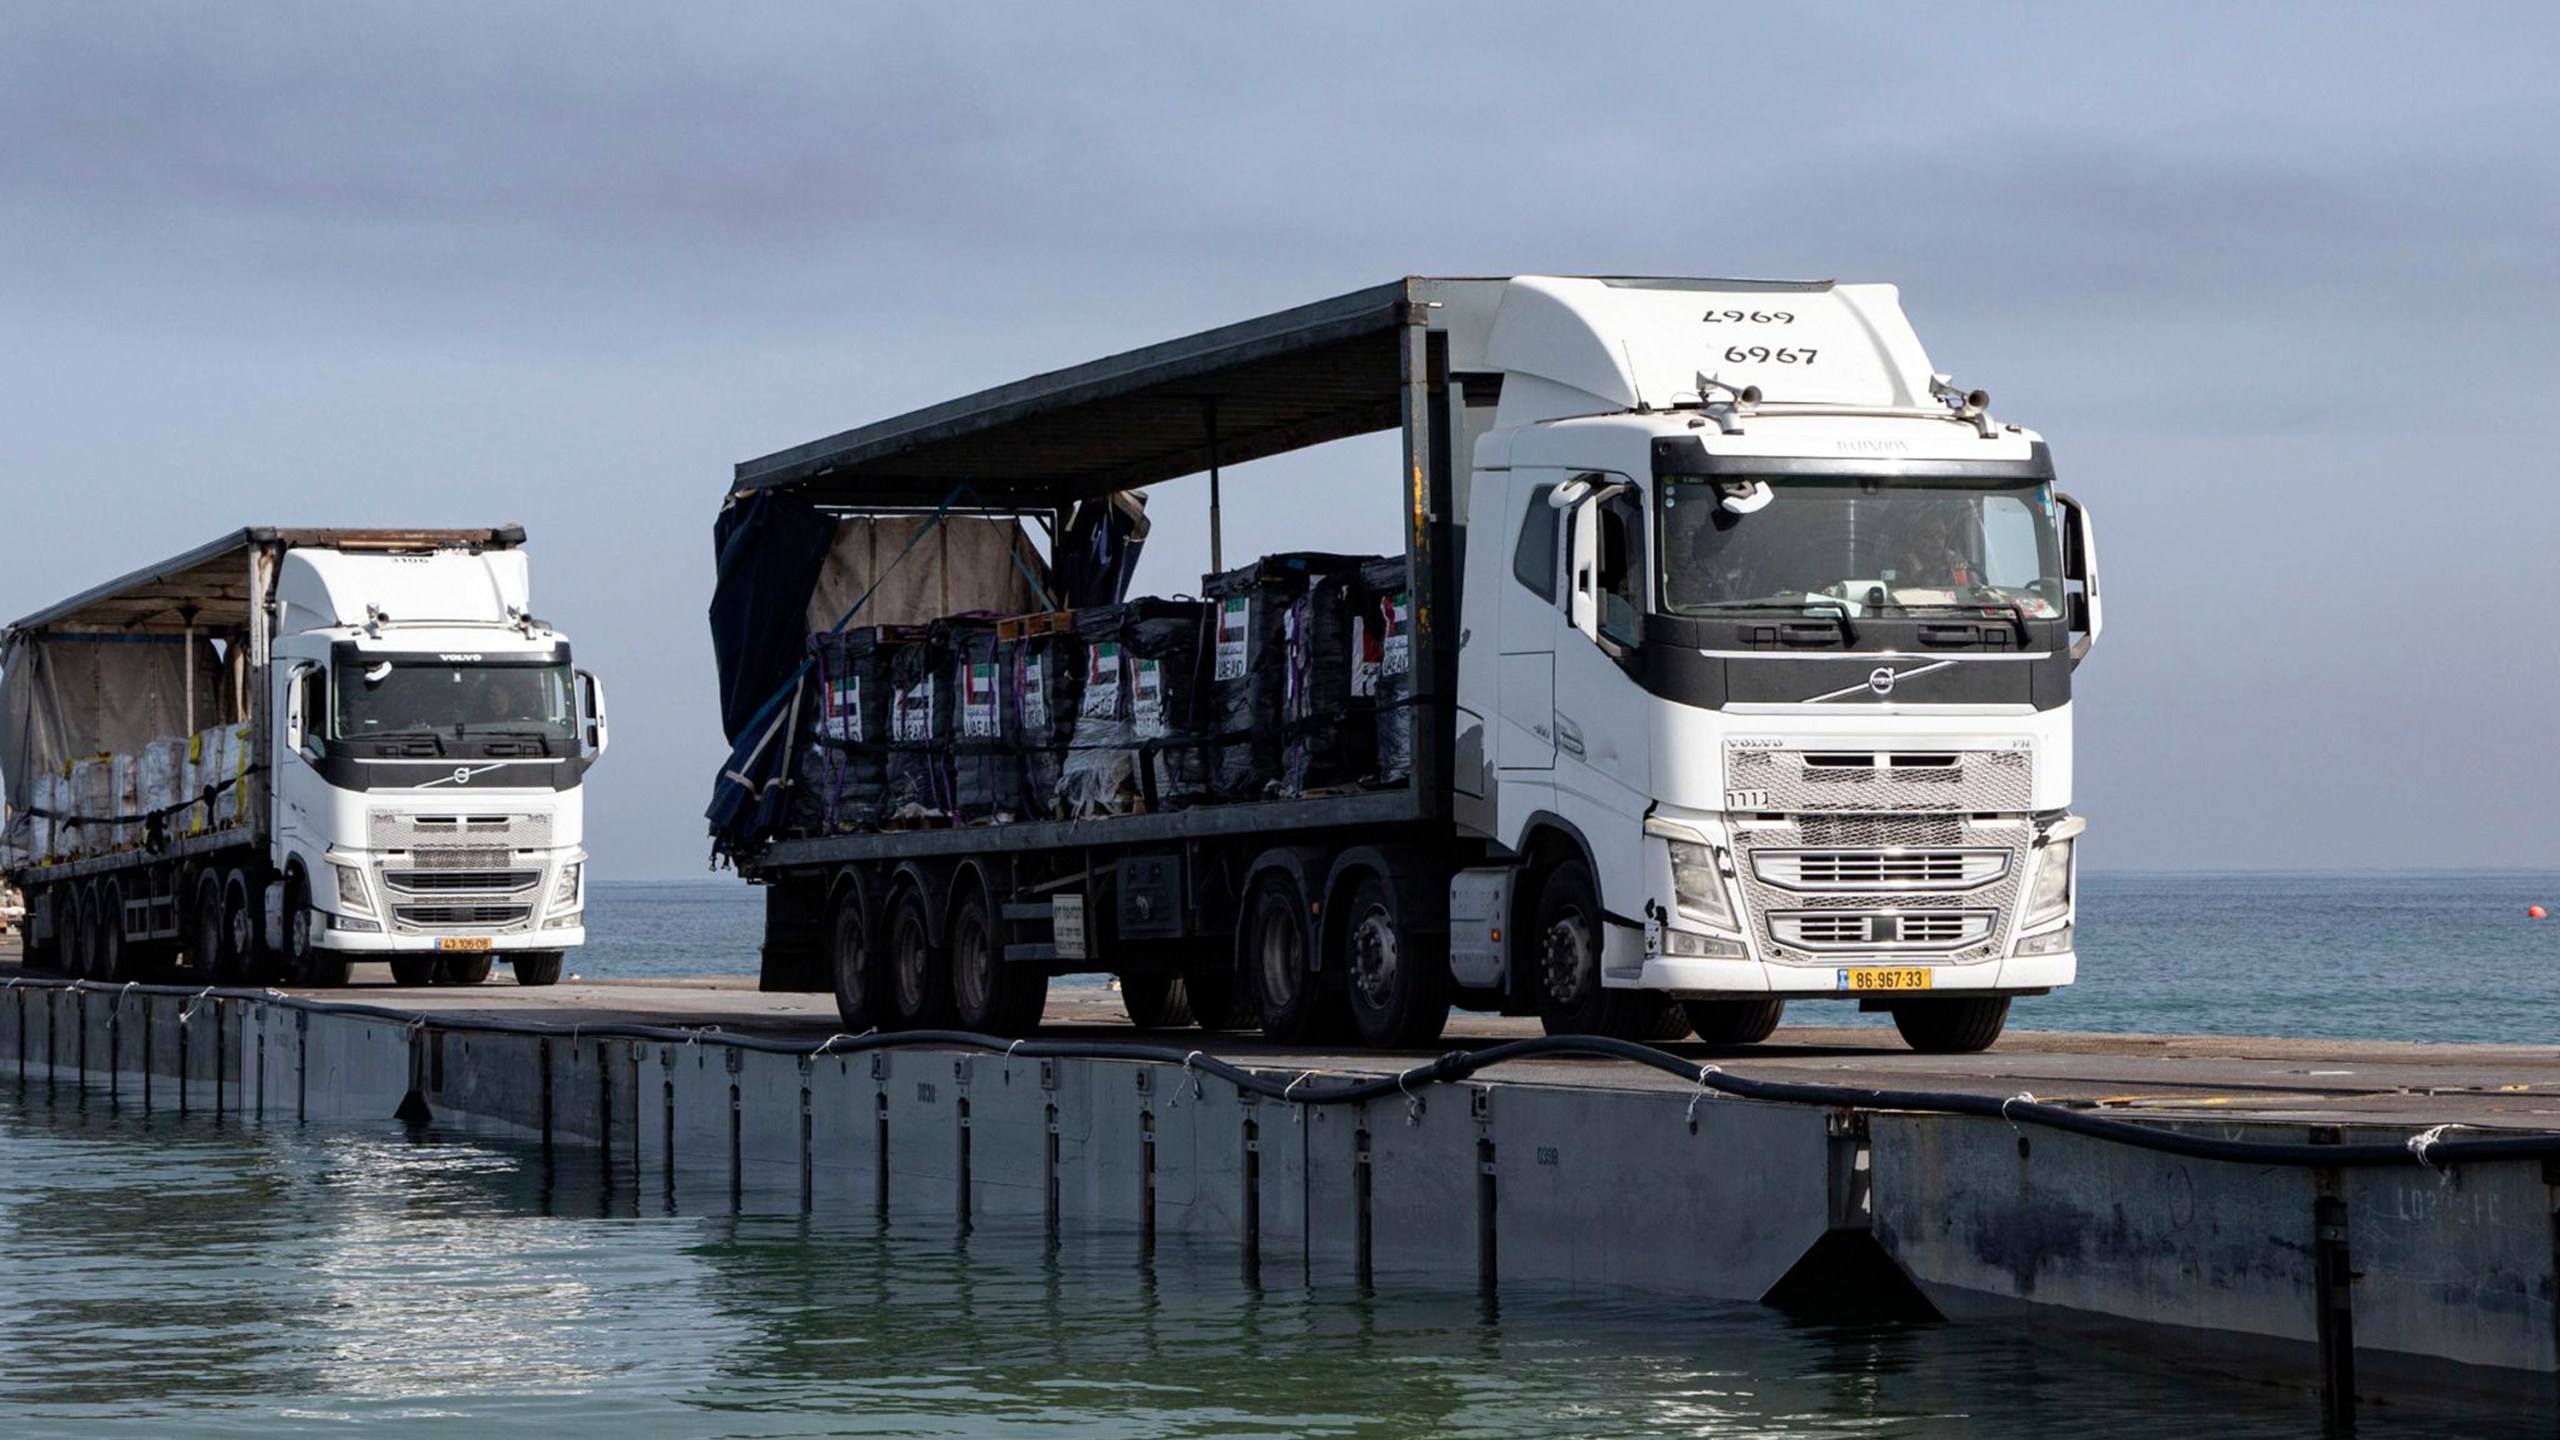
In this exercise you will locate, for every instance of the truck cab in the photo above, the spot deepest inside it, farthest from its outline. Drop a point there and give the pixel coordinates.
(428, 764)
(1768, 638)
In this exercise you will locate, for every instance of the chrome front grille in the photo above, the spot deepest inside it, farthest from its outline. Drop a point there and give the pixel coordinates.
(1813, 870)
(1835, 930)
(1773, 779)
(400, 830)
(447, 916)
(448, 882)
(1880, 869)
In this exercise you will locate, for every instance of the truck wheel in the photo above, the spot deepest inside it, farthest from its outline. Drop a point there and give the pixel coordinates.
(209, 938)
(1398, 983)
(1951, 1027)
(1565, 946)
(861, 981)
(80, 940)
(414, 969)
(1273, 953)
(919, 976)
(1156, 1000)
(240, 927)
(113, 957)
(464, 969)
(1735, 1022)
(533, 967)
(304, 960)
(990, 995)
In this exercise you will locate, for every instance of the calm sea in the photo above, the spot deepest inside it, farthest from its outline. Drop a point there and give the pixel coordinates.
(172, 1276)
(2406, 956)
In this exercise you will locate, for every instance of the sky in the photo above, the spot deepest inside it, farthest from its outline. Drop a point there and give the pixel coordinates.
(2278, 283)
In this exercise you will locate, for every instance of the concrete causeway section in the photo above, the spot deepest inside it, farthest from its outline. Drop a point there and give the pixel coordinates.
(1589, 1173)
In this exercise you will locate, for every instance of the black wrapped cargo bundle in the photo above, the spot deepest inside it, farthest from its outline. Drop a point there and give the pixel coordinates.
(1329, 741)
(986, 754)
(1134, 744)
(1043, 678)
(1382, 635)
(1241, 719)
(842, 766)
(920, 730)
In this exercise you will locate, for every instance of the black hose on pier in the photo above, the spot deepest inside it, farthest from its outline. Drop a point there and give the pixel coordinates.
(2423, 1148)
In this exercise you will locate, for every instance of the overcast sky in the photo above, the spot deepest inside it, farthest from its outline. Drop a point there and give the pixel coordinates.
(2278, 283)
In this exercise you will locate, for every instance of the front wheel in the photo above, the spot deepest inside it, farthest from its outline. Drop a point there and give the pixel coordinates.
(1734, 1022)
(413, 970)
(533, 967)
(303, 958)
(1155, 1000)
(1951, 1027)
(1566, 948)
(464, 969)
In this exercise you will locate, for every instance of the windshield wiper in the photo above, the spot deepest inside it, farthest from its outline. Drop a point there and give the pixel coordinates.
(1838, 610)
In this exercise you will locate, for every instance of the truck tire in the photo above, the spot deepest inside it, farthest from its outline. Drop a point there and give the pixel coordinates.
(535, 967)
(304, 960)
(854, 963)
(80, 939)
(988, 994)
(1951, 1027)
(240, 928)
(115, 960)
(414, 969)
(1565, 956)
(464, 969)
(919, 973)
(1734, 1022)
(1273, 950)
(1155, 1000)
(1397, 982)
(209, 938)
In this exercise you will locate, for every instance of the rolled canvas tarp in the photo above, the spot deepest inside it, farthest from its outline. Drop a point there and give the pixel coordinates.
(966, 564)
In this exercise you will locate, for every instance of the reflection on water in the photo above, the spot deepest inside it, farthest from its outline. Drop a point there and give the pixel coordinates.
(163, 1275)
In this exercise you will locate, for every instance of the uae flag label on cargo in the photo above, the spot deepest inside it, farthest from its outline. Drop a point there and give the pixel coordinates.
(1035, 694)
(1395, 647)
(1146, 700)
(911, 718)
(978, 702)
(1102, 682)
(1234, 643)
(844, 710)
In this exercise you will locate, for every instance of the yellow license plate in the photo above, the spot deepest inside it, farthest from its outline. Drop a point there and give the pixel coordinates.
(1887, 977)
(464, 942)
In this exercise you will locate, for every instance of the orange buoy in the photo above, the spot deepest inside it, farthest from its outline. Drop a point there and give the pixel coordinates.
(2535, 912)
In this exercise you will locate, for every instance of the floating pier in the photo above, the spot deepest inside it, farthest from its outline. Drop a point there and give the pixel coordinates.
(2043, 1180)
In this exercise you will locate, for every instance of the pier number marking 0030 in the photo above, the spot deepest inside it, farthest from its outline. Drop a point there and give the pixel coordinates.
(1763, 355)
(1746, 799)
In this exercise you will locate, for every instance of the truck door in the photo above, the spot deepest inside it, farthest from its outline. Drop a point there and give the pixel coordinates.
(1603, 717)
(1530, 618)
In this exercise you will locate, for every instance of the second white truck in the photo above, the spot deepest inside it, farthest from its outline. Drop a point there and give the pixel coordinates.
(290, 750)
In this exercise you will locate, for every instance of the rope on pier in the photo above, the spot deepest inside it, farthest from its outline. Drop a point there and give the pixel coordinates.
(2427, 1149)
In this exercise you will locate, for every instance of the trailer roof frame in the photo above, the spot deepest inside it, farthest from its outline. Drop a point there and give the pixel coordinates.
(130, 602)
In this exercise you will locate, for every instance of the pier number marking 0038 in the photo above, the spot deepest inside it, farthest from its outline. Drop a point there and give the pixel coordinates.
(1763, 355)
(1548, 1155)
(1746, 799)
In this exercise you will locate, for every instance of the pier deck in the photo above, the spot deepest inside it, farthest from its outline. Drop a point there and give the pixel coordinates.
(2401, 1279)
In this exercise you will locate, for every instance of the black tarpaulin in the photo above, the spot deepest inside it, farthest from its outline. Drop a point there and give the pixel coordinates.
(769, 549)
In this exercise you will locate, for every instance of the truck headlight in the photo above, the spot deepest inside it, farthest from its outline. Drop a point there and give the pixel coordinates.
(2052, 893)
(1697, 886)
(566, 892)
(351, 892)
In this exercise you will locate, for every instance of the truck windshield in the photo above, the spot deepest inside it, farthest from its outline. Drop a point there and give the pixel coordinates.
(1877, 546)
(413, 696)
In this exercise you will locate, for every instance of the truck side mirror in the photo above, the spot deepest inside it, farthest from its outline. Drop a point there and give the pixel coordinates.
(591, 721)
(2082, 608)
(1582, 568)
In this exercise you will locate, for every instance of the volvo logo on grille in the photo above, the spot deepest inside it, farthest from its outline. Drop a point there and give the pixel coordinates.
(1880, 682)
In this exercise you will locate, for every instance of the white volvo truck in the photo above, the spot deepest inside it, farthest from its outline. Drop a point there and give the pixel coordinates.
(1742, 647)
(290, 750)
